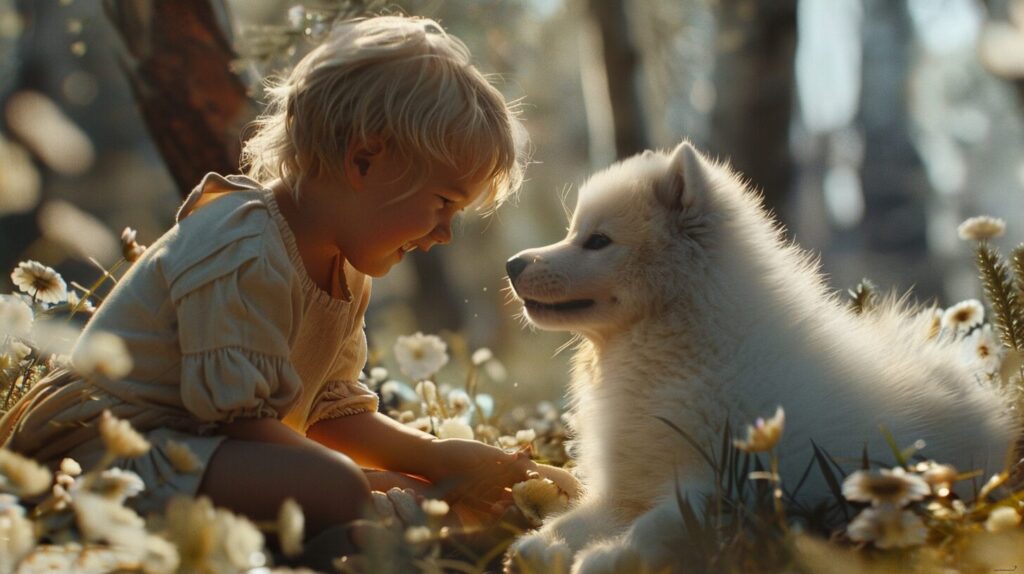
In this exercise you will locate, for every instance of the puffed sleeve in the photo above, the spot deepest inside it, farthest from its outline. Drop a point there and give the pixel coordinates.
(343, 394)
(238, 310)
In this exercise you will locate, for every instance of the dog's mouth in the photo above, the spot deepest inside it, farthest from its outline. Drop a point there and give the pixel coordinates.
(573, 305)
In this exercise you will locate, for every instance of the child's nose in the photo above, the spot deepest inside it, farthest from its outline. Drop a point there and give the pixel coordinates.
(441, 234)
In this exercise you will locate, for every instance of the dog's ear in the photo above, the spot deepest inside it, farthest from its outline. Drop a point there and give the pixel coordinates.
(684, 182)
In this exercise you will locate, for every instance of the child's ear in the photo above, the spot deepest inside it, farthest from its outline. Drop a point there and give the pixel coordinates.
(360, 158)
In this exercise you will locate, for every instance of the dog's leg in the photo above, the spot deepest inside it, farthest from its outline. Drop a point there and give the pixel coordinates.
(655, 542)
(551, 548)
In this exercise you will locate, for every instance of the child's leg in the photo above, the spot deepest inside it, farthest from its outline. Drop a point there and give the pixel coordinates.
(254, 478)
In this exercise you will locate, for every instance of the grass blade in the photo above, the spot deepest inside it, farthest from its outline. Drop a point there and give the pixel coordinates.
(830, 479)
(700, 450)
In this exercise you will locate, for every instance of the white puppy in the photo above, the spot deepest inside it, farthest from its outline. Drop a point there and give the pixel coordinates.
(692, 308)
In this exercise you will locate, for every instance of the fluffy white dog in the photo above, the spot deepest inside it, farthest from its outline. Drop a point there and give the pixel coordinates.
(692, 308)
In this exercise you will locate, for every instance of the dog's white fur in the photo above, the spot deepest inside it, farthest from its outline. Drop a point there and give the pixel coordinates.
(702, 314)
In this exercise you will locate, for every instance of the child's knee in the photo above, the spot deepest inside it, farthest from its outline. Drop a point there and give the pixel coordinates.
(344, 497)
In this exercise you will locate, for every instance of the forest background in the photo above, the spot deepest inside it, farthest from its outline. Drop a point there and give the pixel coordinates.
(872, 126)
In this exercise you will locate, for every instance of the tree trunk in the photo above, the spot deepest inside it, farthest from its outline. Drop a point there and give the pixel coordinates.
(614, 88)
(893, 179)
(754, 81)
(178, 62)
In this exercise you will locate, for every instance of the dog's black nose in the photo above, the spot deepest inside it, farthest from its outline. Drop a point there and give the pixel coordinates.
(514, 267)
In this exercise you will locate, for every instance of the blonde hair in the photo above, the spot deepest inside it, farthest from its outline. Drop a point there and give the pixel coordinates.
(401, 78)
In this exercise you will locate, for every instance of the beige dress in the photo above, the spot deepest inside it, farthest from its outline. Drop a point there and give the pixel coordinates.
(222, 322)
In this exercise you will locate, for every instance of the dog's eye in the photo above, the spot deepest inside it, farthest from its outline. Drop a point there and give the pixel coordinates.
(597, 241)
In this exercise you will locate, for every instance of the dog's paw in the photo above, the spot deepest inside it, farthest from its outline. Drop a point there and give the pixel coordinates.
(610, 557)
(535, 554)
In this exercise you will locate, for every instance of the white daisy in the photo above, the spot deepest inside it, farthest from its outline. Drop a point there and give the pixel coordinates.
(983, 349)
(15, 317)
(890, 487)
(116, 484)
(454, 428)
(435, 508)
(70, 467)
(981, 228)
(120, 438)
(290, 527)
(102, 354)
(102, 519)
(427, 392)
(940, 477)
(181, 456)
(1002, 518)
(481, 356)
(963, 316)
(421, 356)
(17, 537)
(459, 403)
(40, 281)
(888, 527)
(539, 498)
(417, 534)
(130, 249)
(763, 435)
(525, 437)
(378, 374)
(23, 476)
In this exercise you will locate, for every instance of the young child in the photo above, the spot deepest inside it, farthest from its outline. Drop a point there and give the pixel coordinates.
(245, 320)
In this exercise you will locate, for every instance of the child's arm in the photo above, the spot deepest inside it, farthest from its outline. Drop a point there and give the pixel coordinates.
(375, 440)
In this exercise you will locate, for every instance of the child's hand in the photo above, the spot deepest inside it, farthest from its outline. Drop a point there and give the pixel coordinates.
(467, 469)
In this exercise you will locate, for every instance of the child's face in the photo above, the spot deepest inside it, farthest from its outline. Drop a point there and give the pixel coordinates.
(396, 212)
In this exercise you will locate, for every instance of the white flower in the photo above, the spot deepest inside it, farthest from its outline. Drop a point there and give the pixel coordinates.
(161, 557)
(459, 403)
(507, 441)
(963, 316)
(297, 16)
(74, 301)
(102, 354)
(378, 374)
(212, 539)
(420, 356)
(496, 371)
(417, 534)
(436, 508)
(427, 391)
(13, 353)
(15, 317)
(454, 428)
(1002, 518)
(982, 348)
(70, 467)
(120, 438)
(538, 498)
(181, 456)
(23, 476)
(103, 519)
(888, 527)
(891, 487)
(116, 484)
(130, 249)
(981, 228)
(424, 424)
(763, 435)
(526, 436)
(40, 281)
(290, 526)
(481, 356)
(940, 477)
(17, 537)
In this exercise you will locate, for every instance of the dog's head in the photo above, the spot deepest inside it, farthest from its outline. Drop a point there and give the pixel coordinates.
(642, 232)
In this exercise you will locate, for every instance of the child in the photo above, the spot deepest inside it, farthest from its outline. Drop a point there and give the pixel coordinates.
(245, 320)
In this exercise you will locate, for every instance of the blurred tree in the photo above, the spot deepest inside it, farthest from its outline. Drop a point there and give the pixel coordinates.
(754, 83)
(893, 179)
(178, 62)
(611, 83)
